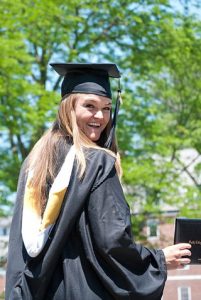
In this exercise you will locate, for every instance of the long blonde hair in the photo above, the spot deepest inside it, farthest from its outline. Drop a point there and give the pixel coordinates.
(44, 156)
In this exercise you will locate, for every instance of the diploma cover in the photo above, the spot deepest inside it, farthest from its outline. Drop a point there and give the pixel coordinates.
(189, 231)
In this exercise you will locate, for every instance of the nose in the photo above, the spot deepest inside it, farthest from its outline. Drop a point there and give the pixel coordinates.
(98, 114)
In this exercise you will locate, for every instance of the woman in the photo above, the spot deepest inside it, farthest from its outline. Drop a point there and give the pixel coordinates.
(71, 235)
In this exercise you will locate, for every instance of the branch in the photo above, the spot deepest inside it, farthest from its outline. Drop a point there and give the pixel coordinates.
(185, 169)
(22, 149)
(57, 83)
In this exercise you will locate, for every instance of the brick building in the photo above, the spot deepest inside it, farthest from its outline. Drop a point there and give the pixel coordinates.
(184, 283)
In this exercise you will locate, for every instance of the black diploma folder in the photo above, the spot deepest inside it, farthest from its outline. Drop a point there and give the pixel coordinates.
(189, 231)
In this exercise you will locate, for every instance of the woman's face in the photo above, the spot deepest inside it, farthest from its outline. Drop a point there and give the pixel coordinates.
(92, 114)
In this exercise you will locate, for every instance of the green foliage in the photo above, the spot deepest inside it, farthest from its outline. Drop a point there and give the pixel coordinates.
(157, 50)
(33, 33)
(164, 117)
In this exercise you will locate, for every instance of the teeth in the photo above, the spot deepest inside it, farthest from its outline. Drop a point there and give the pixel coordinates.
(95, 124)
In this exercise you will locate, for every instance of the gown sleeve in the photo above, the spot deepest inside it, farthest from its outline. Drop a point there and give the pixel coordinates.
(126, 269)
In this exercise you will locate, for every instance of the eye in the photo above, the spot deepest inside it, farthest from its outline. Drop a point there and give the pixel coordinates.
(90, 106)
(108, 108)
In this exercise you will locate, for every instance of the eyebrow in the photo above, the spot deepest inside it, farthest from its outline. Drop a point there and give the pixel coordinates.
(92, 100)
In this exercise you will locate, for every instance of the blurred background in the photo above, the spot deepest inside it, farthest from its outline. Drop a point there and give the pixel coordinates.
(157, 47)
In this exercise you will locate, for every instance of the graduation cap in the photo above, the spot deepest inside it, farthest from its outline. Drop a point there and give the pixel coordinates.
(89, 78)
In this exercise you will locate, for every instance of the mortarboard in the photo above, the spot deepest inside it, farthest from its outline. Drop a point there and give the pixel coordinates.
(86, 78)
(89, 78)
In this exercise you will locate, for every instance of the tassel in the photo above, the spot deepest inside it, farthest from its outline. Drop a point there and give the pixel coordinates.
(108, 143)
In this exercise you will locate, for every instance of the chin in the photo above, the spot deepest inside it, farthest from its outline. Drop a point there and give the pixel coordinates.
(94, 138)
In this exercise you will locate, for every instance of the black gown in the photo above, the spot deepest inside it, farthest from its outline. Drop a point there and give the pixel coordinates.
(90, 254)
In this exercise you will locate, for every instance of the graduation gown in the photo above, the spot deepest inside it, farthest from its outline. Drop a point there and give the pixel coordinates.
(90, 253)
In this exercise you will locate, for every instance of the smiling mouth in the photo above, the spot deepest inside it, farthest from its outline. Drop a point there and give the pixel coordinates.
(94, 125)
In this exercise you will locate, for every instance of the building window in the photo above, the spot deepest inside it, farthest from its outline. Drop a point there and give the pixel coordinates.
(152, 228)
(184, 293)
(4, 231)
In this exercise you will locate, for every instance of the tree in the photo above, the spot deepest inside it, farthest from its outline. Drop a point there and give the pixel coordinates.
(147, 40)
(165, 114)
(35, 33)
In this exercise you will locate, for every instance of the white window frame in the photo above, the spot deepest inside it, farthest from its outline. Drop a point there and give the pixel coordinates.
(180, 292)
(148, 231)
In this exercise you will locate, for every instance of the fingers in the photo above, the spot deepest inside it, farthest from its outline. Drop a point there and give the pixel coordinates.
(183, 246)
(177, 255)
(183, 262)
(185, 252)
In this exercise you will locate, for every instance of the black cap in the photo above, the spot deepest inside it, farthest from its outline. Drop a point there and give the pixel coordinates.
(90, 79)
(86, 78)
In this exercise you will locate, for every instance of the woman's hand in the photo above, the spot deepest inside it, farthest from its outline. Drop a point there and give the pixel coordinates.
(174, 255)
